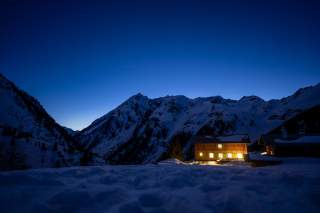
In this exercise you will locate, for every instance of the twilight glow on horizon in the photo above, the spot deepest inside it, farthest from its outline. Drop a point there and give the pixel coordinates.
(81, 59)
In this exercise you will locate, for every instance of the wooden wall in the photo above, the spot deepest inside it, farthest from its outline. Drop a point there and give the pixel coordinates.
(206, 149)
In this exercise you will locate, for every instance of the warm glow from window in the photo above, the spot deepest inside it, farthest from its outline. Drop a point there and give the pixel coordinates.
(229, 155)
(220, 155)
(239, 155)
(211, 155)
(200, 154)
(219, 146)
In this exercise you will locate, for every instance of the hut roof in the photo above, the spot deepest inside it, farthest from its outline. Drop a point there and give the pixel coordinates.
(291, 139)
(303, 139)
(223, 139)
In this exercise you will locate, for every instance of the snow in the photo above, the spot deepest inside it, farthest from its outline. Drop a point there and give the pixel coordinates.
(263, 157)
(173, 187)
(233, 138)
(304, 139)
(172, 161)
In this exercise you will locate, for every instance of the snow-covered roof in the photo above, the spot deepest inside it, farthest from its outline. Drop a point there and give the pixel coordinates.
(223, 139)
(233, 138)
(303, 139)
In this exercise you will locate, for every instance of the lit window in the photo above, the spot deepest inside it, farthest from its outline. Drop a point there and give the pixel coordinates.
(220, 155)
(211, 155)
(239, 155)
(219, 146)
(229, 155)
(200, 154)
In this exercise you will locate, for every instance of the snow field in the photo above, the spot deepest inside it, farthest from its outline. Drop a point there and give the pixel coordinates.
(290, 187)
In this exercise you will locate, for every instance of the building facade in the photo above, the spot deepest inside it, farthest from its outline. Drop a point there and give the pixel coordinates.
(233, 147)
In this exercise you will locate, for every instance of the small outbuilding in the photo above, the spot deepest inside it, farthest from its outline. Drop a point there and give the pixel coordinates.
(230, 147)
(293, 145)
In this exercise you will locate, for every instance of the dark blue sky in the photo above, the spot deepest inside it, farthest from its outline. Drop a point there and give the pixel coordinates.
(80, 58)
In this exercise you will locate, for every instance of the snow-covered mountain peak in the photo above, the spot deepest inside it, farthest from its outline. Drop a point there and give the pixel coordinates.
(251, 98)
(137, 96)
(35, 135)
(137, 99)
(303, 97)
(215, 99)
(307, 91)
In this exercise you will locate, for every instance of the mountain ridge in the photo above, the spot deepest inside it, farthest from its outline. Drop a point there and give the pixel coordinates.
(157, 121)
(140, 129)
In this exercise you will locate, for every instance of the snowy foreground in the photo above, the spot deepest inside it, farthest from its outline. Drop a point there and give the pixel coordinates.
(293, 186)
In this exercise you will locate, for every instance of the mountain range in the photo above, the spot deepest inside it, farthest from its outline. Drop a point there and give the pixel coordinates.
(140, 130)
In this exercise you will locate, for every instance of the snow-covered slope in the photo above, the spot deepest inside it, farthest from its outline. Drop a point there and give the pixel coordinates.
(29, 137)
(305, 123)
(142, 130)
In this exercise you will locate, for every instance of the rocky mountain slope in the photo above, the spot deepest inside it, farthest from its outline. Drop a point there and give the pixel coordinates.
(143, 130)
(29, 137)
(305, 123)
